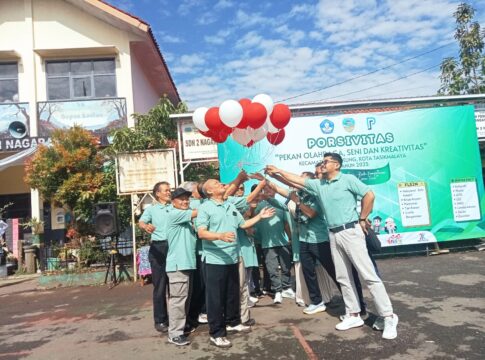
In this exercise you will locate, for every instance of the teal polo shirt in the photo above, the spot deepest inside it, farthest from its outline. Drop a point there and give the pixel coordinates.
(219, 217)
(181, 241)
(157, 215)
(271, 231)
(338, 197)
(194, 205)
(315, 230)
(240, 202)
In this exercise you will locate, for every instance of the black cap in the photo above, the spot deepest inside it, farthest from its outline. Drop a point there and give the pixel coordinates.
(179, 192)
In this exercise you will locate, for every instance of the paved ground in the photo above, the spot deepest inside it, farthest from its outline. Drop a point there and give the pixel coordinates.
(440, 301)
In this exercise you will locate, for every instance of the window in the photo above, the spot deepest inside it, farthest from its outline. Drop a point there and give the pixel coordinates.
(78, 79)
(9, 82)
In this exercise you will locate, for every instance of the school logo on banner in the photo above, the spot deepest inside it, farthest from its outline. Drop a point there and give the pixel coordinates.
(348, 124)
(327, 126)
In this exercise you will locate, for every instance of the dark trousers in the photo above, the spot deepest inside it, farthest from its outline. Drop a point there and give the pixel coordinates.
(158, 259)
(309, 254)
(197, 301)
(279, 256)
(222, 298)
(257, 275)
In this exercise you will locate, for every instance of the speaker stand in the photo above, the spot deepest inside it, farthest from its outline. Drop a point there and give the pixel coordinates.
(111, 269)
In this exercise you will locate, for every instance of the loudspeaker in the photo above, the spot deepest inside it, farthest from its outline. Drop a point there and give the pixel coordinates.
(106, 219)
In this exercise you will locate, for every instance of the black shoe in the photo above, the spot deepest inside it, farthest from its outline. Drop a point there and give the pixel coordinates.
(179, 340)
(188, 329)
(162, 327)
(250, 322)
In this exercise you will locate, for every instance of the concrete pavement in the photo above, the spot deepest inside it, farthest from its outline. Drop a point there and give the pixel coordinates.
(440, 302)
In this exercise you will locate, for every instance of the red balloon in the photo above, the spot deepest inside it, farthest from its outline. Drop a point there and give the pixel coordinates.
(220, 136)
(249, 144)
(281, 115)
(206, 133)
(213, 121)
(276, 138)
(243, 124)
(256, 115)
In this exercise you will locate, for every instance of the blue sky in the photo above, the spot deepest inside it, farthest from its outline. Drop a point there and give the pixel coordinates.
(228, 49)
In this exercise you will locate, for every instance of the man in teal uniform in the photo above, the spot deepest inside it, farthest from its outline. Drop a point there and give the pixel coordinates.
(217, 224)
(154, 222)
(275, 234)
(338, 194)
(197, 311)
(181, 264)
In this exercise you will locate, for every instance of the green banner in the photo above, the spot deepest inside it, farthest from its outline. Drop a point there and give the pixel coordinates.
(423, 165)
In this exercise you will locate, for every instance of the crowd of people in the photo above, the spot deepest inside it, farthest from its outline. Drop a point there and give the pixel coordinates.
(210, 241)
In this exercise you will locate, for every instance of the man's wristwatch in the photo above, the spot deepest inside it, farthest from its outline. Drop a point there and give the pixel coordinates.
(362, 220)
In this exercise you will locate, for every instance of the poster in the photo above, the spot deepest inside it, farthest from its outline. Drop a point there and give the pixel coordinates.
(423, 165)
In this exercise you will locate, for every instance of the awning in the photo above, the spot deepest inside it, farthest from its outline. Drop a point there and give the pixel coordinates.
(17, 159)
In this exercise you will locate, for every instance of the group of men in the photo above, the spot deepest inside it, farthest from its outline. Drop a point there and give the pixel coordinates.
(206, 244)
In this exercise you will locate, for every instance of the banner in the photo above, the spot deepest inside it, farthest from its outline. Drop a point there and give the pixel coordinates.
(195, 146)
(98, 116)
(423, 165)
(137, 172)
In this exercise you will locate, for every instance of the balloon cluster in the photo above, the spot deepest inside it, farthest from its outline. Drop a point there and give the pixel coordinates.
(246, 121)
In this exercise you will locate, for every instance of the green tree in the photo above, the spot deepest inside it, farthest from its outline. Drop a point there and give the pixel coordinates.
(74, 172)
(465, 75)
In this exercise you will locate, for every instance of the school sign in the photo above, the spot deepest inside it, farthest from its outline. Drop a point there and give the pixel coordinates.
(423, 165)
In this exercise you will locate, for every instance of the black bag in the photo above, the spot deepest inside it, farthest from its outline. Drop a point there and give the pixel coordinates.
(372, 241)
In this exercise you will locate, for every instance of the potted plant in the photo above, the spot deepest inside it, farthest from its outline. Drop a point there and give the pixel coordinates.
(37, 228)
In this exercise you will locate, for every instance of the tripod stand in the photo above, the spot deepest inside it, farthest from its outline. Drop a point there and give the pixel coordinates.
(111, 269)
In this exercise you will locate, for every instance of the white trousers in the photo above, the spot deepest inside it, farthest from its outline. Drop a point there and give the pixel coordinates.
(349, 247)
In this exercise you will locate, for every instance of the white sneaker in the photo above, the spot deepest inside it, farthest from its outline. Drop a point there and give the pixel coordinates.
(349, 323)
(343, 317)
(202, 319)
(254, 300)
(221, 342)
(288, 293)
(390, 327)
(251, 304)
(314, 309)
(239, 328)
(300, 302)
(277, 298)
(378, 323)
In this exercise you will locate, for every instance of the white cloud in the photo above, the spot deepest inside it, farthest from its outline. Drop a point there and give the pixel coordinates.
(294, 36)
(302, 10)
(187, 64)
(163, 37)
(186, 6)
(223, 4)
(244, 19)
(219, 38)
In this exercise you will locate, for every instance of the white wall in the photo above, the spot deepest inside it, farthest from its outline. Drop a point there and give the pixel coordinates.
(144, 95)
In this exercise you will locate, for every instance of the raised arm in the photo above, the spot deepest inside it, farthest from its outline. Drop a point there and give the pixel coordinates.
(254, 194)
(234, 185)
(263, 214)
(272, 170)
(286, 182)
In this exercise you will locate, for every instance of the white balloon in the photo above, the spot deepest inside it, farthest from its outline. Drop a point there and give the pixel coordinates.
(258, 134)
(270, 126)
(231, 113)
(241, 136)
(198, 117)
(266, 101)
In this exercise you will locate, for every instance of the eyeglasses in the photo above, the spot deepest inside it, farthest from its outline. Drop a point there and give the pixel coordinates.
(325, 162)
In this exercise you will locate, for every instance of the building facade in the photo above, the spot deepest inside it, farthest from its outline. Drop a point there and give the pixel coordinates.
(66, 62)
